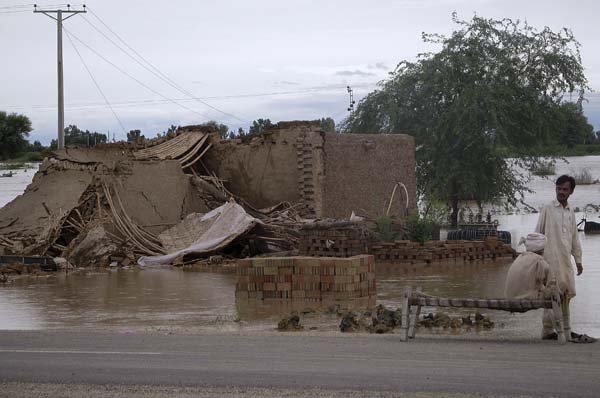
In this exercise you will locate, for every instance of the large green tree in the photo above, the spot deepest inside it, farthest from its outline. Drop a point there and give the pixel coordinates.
(493, 85)
(573, 126)
(14, 130)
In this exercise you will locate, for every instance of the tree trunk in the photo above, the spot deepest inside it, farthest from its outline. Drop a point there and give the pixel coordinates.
(454, 216)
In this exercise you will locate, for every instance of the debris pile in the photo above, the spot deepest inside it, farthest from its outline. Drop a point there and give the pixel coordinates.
(290, 323)
(129, 197)
(384, 320)
(443, 320)
(95, 206)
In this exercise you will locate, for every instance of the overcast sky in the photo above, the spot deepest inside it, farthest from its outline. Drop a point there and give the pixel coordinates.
(282, 60)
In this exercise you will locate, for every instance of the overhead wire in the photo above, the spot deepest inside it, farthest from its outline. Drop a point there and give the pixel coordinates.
(29, 5)
(150, 67)
(133, 78)
(316, 89)
(17, 6)
(14, 12)
(95, 82)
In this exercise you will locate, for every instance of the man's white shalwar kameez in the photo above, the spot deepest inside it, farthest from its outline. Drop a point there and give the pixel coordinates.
(560, 227)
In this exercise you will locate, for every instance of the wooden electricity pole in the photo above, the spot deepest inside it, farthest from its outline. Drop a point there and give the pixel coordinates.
(61, 96)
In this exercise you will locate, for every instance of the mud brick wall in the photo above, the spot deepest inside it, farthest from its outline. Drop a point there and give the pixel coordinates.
(347, 241)
(330, 174)
(315, 279)
(264, 171)
(361, 171)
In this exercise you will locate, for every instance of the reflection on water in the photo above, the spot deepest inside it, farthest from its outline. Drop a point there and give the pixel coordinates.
(123, 299)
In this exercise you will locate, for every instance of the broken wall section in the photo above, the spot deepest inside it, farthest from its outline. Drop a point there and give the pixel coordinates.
(274, 167)
(329, 174)
(67, 199)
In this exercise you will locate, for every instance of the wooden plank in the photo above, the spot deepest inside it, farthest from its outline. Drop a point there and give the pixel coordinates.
(405, 310)
(414, 317)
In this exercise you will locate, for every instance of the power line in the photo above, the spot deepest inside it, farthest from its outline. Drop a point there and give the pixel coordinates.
(16, 6)
(14, 12)
(316, 89)
(135, 79)
(151, 68)
(95, 82)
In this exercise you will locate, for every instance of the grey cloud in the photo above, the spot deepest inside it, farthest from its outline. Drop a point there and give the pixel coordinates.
(353, 73)
(378, 65)
(286, 83)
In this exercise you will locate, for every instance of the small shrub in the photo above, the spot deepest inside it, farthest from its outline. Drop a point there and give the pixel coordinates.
(34, 157)
(543, 169)
(384, 230)
(12, 166)
(420, 229)
(583, 177)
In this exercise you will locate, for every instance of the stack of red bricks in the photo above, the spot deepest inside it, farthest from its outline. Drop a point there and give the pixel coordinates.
(441, 251)
(346, 240)
(306, 278)
(350, 239)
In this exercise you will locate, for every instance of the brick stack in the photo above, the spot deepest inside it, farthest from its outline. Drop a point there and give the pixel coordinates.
(343, 239)
(317, 279)
(346, 239)
(440, 252)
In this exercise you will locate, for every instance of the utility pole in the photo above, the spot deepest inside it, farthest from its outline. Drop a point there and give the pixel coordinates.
(61, 96)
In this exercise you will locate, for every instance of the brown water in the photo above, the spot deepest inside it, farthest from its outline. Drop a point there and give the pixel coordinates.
(171, 300)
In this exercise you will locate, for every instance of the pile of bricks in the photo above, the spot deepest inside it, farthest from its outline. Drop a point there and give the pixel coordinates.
(440, 252)
(351, 239)
(338, 240)
(318, 279)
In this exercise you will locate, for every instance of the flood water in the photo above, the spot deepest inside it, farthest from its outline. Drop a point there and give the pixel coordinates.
(173, 300)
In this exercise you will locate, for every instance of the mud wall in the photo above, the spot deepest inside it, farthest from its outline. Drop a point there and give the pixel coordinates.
(270, 168)
(361, 170)
(157, 195)
(330, 174)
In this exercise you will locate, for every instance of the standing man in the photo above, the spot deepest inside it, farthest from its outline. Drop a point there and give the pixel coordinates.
(557, 222)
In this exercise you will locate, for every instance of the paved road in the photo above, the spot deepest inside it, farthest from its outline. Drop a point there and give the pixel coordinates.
(302, 361)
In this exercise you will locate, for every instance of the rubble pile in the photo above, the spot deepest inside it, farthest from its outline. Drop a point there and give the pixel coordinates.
(95, 206)
(384, 320)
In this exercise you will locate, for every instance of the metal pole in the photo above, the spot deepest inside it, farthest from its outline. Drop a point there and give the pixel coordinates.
(59, 61)
(61, 96)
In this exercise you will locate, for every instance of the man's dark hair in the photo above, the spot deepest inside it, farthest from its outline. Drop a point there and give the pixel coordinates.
(565, 178)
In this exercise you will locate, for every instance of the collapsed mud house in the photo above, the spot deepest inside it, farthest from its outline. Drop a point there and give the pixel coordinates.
(120, 201)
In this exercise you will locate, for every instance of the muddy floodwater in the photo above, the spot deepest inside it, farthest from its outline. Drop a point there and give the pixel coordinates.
(177, 301)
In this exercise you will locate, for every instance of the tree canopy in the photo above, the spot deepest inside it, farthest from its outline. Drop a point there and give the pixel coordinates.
(14, 130)
(494, 85)
(75, 136)
(258, 126)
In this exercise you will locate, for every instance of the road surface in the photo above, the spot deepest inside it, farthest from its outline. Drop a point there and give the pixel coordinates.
(294, 362)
